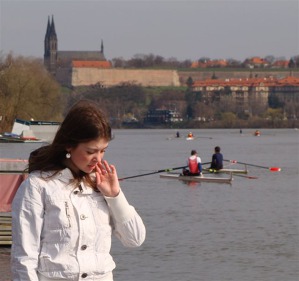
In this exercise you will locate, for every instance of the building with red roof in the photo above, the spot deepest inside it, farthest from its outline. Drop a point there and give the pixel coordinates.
(245, 93)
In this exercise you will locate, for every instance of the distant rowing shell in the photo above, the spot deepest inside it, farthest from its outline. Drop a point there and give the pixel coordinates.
(197, 178)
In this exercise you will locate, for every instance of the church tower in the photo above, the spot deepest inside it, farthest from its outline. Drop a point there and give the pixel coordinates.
(51, 46)
(102, 46)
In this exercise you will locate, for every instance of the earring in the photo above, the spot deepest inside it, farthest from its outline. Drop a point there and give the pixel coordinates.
(68, 155)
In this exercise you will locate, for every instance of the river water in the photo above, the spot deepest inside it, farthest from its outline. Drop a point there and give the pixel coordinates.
(206, 231)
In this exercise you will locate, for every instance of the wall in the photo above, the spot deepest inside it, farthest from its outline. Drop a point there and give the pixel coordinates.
(111, 77)
(145, 77)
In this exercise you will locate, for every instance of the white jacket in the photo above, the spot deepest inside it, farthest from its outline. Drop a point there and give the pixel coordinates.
(62, 231)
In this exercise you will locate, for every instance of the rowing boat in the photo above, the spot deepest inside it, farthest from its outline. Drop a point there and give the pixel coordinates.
(197, 178)
(227, 170)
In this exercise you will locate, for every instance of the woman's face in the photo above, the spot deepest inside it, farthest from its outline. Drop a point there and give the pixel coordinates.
(86, 155)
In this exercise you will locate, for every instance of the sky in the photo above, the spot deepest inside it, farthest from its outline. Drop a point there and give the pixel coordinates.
(181, 29)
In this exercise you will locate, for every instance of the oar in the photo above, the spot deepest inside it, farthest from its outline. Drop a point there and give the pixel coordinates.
(203, 138)
(157, 172)
(152, 173)
(272, 169)
(13, 172)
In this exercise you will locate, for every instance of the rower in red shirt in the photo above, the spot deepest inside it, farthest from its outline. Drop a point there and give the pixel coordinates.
(194, 165)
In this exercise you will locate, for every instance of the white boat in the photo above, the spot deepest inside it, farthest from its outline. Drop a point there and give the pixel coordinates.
(6, 138)
(227, 170)
(33, 131)
(177, 176)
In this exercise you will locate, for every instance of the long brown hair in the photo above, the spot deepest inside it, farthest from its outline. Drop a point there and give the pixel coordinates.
(84, 122)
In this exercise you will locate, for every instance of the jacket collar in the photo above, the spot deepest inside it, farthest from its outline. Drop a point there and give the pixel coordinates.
(66, 176)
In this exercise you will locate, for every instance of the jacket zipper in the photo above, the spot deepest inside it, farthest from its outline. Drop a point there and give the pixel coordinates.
(67, 213)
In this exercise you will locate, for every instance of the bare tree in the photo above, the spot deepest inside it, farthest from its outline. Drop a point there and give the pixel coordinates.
(27, 91)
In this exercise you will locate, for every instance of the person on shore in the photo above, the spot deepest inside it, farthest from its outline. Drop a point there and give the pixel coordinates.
(217, 159)
(194, 165)
(65, 212)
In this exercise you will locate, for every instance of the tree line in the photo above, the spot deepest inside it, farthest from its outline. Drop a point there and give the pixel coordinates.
(127, 105)
(156, 61)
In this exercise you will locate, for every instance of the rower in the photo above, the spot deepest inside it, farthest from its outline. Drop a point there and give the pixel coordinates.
(217, 159)
(194, 165)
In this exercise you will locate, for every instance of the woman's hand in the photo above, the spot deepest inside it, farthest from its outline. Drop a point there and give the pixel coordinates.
(107, 180)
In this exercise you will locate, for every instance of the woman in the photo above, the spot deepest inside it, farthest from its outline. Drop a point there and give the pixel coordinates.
(65, 212)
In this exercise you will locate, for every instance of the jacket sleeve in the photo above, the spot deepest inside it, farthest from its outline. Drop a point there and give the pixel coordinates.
(200, 167)
(129, 227)
(27, 221)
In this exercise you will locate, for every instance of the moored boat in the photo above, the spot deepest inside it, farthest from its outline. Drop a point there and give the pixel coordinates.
(177, 176)
(25, 136)
(30, 131)
(19, 139)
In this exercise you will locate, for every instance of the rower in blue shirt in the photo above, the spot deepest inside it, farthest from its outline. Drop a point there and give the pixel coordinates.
(217, 160)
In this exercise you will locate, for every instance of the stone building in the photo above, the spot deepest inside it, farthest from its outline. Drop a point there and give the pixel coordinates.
(248, 95)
